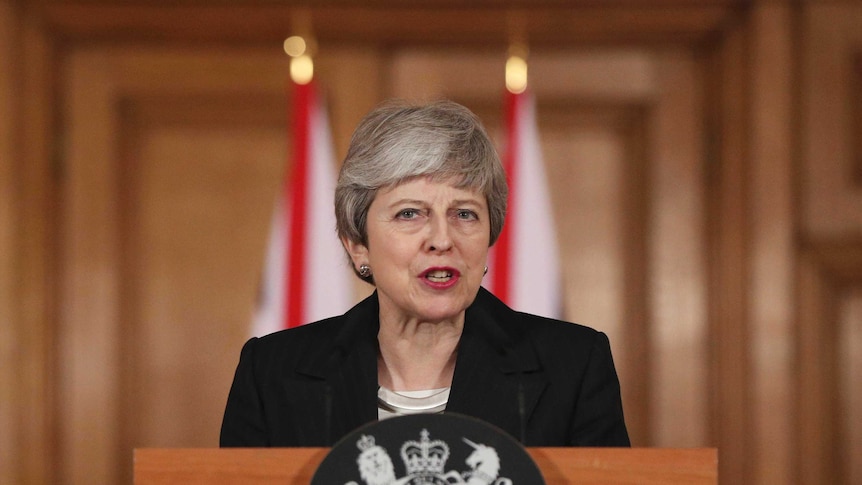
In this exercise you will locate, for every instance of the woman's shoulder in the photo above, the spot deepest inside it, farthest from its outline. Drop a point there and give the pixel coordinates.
(528, 325)
(319, 336)
(550, 332)
(530, 341)
(514, 329)
(288, 344)
(309, 331)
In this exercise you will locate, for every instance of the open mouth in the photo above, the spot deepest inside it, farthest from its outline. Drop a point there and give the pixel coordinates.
(439, 275)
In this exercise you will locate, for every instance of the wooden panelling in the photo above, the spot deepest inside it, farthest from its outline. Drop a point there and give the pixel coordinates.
(594, 154)
(830, 279)
(354, 81)
(676, 258)
(88, 330)
(830, 263)
(850, 375)
(856, 107)
(832, 203)
(9, 406)
(197, 199)
(394, 23)
(770, 200)
(33, 273)
(727, 237)
(175, 157)
(102, 358)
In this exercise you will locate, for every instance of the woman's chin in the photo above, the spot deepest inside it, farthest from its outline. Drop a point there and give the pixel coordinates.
(442, 312)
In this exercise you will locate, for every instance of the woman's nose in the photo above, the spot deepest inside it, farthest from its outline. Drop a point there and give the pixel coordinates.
(439, 237)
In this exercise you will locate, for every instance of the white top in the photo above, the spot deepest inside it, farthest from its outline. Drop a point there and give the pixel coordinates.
(391, 403)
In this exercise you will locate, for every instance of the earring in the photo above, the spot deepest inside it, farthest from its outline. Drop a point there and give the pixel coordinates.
(486, 270)
(364, 270)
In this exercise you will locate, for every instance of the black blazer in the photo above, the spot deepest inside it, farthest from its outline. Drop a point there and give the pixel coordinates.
(545, 382)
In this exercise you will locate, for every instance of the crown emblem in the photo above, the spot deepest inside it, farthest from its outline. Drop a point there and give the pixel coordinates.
(365, 442)
(425, 458)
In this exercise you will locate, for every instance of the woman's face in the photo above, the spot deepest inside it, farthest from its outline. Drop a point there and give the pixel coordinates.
(427, 248)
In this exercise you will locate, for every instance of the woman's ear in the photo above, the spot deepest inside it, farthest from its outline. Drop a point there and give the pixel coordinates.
(357, 251)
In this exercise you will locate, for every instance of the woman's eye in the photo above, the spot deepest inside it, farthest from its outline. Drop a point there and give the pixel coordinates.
(407, 213)
(467, 215)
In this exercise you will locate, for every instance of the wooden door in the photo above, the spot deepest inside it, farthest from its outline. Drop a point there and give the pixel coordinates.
(830, 258)
(173, 160)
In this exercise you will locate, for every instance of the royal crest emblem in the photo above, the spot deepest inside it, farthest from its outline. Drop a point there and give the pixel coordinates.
(428, 449)
(425, 464)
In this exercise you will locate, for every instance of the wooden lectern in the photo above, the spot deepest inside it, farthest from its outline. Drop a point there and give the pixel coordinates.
(296, 466)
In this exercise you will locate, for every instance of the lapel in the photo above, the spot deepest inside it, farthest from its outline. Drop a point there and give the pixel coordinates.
(347, 365)
(498, 377)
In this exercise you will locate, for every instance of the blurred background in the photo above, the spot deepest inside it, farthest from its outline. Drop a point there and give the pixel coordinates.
(705, 168)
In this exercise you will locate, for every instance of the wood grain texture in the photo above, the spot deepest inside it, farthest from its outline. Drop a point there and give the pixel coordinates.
(9, 228)
(296, 466)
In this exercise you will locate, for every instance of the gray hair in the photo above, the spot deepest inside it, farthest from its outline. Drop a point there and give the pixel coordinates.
(397, 142)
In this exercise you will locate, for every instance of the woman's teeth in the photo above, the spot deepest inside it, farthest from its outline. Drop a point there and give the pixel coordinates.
(438, 276)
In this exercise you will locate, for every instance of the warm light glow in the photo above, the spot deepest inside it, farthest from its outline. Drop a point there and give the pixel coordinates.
(301, 69)
(301, 65)
(516, 74)
(294, 46)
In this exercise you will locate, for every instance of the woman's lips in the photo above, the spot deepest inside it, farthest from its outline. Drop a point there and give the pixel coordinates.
(441, 277)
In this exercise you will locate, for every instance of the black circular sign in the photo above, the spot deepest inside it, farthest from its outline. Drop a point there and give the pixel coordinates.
(428, 449)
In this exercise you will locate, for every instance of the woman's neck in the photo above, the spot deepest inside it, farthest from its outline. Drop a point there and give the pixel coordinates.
(416, 356)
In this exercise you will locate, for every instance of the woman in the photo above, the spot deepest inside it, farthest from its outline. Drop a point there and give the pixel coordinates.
(420, 199)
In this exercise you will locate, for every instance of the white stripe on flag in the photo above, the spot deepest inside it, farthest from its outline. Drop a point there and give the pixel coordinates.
(326, 279)
(534, 283)
(328, 276)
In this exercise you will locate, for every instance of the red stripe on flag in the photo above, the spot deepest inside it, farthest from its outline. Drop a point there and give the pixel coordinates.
(295, 287)
(504, 251)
